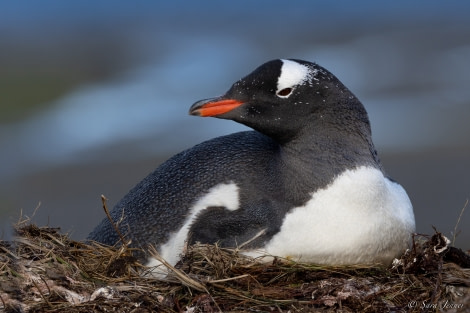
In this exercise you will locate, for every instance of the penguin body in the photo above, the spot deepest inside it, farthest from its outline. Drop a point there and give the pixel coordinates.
(305, 184)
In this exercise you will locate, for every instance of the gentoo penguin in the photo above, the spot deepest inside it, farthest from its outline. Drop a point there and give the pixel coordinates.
(306, 184)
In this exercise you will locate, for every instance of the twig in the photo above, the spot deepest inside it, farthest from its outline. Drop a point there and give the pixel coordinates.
(22, 220)
(458, 222)
(228, 279)
(259, 234)
(40, 293)
(105, 208)
(45, 283)
(183, 277)
(7, 251)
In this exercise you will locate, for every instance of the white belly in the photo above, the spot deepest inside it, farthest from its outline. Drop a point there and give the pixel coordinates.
(362, 217)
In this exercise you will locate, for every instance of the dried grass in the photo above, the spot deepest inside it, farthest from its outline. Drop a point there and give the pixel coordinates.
(42, 270)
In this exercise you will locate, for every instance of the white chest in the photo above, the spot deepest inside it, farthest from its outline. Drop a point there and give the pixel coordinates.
(362, 217)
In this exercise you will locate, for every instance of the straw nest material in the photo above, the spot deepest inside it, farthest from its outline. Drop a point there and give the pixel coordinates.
(42, 270)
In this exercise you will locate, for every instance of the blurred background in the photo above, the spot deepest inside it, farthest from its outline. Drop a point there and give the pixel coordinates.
(94, 94)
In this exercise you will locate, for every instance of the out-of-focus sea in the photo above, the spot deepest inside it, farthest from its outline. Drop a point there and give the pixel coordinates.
(409, 63)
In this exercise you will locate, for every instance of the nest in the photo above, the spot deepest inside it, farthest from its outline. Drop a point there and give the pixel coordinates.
(42, 270)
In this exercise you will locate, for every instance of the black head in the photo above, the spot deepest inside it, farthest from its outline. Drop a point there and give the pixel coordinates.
(282, 98)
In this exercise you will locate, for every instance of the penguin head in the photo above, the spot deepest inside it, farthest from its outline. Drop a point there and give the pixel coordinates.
(281, 98)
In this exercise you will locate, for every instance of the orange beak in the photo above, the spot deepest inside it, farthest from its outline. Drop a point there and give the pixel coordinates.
(214, 107)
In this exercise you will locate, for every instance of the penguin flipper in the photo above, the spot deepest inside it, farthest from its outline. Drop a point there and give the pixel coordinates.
(231, 229)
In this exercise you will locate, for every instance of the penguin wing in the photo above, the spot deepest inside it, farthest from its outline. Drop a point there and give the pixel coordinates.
(161, 205)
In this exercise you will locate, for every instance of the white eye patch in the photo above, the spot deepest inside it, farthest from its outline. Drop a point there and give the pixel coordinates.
(292, 74)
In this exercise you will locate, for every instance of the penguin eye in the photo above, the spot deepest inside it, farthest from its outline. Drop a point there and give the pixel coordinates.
(284, 92)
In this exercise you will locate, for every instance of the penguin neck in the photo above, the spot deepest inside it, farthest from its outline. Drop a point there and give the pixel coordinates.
(329, 149)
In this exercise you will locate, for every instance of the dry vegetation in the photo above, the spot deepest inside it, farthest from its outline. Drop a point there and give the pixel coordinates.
(42, 270)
